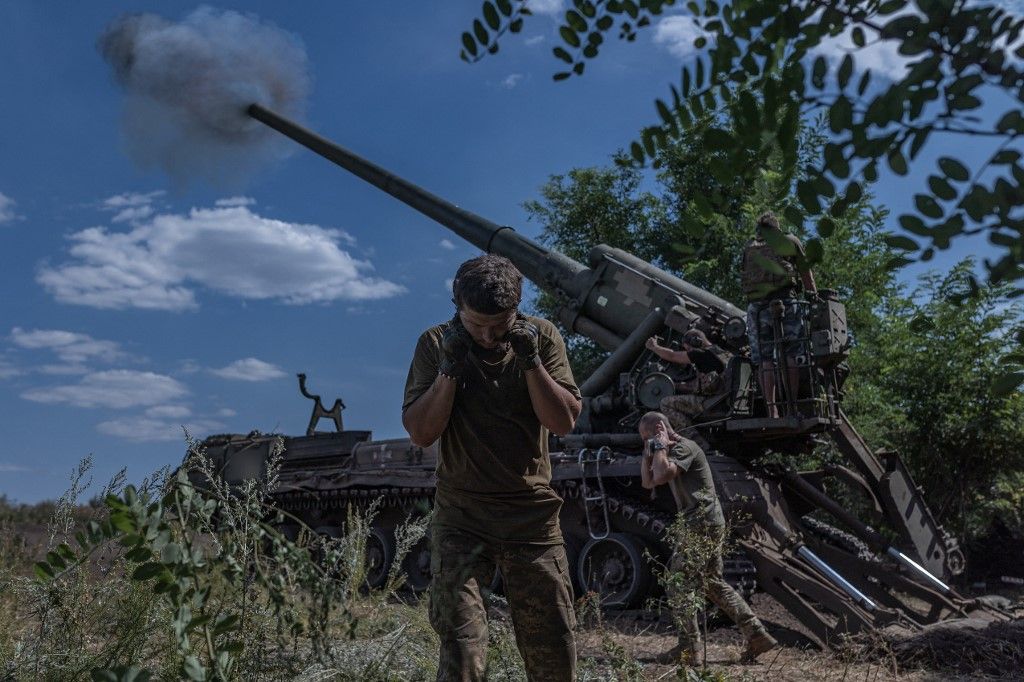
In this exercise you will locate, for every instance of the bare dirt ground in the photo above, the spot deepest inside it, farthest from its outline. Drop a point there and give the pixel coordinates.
(960, 654)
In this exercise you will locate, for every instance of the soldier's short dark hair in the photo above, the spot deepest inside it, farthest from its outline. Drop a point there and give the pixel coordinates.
(767, 219)
(488, 284)
(650, 421)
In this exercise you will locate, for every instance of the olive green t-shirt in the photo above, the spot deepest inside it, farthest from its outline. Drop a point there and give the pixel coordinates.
(493, 472)
(693, 487)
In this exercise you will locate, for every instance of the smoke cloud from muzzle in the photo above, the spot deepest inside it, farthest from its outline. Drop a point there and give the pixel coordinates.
(187, 86)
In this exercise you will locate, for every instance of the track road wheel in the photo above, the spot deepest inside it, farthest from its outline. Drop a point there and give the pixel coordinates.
(616, 569)
(380, 554)
(417, 566)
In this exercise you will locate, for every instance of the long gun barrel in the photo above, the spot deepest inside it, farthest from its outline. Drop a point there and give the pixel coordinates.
(605, 301)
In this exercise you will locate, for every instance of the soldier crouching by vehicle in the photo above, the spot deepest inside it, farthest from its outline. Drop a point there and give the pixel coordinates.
(491, 383)
(680, 463)
(709, 384)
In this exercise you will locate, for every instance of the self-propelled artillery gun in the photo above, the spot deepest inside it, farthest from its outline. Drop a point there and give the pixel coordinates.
(889, 563)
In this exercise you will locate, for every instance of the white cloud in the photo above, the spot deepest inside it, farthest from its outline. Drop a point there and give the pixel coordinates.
(10, 468)
(677, 33)
(249, 369)
(7, 213)
(447, 244)
(189, 366)
(71, 347)
(117, 388)
(534, 40)
(8, 370)
(549, 7)
(235, 201)
(512, 80)
(882, 56)
(63, 370)
(159, 265)
(132, 214)
(143, 429)
(448, 285)
(131, 200)
(168, 412)
(226, 412)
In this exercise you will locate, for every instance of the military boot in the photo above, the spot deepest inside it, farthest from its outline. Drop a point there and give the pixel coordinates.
(757, 643)
(687, 652)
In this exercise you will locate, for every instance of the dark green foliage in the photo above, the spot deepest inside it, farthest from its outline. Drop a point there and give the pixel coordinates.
(929, 387)
(957, 53)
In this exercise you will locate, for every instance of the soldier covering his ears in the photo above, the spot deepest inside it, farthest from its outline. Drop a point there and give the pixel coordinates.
(491, 384)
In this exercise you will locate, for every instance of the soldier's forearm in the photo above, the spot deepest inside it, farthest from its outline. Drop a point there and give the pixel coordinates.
(555, 407)
(426, 418)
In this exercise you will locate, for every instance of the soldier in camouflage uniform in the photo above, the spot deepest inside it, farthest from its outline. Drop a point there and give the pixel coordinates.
(491, 384)
(706, 388)
(769, 273)
(680, 463)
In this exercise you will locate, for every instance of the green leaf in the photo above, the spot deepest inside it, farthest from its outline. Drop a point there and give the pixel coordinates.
(663, 111)
(561, 76)
(469, 44)
(56, 561)
(911, 223)
(921, 323)
(858, 36)
(840, 114)
(845, 71)
(1007, 156)
(637, 152)
(808, 197)
(480, 32)
(491, 16)
(194, 669)
(818, 72)
(563, 54)
(505, 7)
(717, 139)
(826, 227)
(44, 571)
(898, 241)
(1006, 384)
(703, 206)
(941, 188)
(147, 571)
(569, 36)
(225, 623)
(897, 163)
(953, 169)
(768, 265)
(576, 21)
(928, 206)
(813, 251)
(965, 102)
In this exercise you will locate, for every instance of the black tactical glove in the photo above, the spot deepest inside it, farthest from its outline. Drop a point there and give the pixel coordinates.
(455, 343)
(525, 341)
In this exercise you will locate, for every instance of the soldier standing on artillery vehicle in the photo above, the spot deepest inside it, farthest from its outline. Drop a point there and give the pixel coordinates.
(679, 462)
(771, 274)
(491, 384)
(710, 383)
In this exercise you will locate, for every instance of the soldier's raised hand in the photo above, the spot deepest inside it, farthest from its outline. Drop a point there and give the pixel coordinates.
(455, 343)
(524, 337)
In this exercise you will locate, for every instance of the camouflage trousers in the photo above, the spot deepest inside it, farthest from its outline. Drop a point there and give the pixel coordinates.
(539, 593)
(706, 577)
(681, 409)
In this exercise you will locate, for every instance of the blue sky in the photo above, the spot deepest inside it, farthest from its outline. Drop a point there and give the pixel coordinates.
(134, 304)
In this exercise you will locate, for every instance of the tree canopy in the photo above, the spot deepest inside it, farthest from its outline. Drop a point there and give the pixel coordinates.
(763, 59)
